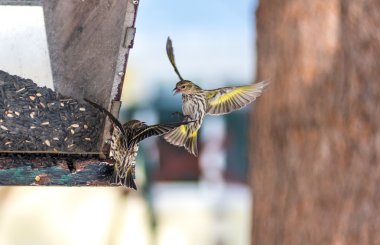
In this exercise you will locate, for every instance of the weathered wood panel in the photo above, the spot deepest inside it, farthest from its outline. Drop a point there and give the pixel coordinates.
(89, 43)
(315, 135)
(87, 46)
(21, 2)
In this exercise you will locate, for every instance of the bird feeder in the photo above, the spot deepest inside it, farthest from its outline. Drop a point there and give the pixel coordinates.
(89, 43)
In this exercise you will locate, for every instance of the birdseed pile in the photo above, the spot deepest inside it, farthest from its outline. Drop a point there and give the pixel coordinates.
(36, 118)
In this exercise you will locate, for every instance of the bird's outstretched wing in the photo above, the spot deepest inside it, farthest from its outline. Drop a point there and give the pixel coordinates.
(109, 114)
(156, 130)
(170, 53)
(225, 100)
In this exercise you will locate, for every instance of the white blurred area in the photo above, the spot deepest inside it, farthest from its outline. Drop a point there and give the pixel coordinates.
(23, 44)
(186, 214)
(76, 215)
(195, 214)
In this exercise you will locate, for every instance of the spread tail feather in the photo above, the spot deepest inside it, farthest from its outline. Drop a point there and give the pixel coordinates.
(126, 180)
(130, 182)
(182, 136)
(191, 144)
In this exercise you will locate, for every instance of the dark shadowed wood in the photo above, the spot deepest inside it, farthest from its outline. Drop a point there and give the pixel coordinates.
(316, 132)
(54, 171)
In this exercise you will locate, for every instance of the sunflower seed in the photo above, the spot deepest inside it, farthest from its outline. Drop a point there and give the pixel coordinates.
(20, 90)
(30, 115)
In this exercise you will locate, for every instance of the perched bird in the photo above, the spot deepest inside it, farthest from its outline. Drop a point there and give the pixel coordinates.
(124, 144)
(197, 103)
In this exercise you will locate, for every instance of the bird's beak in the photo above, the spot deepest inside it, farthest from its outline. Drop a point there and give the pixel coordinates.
(175, 91)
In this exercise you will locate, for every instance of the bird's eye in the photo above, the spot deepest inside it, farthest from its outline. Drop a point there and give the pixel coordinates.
(183, 87)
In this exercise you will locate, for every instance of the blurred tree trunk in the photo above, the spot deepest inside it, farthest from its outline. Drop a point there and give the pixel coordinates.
(315, 162)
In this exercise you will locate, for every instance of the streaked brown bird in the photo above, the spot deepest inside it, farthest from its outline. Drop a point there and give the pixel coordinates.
(125, 144)
(197, 103)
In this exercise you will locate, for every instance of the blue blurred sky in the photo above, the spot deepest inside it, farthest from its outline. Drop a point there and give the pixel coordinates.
(213, 42)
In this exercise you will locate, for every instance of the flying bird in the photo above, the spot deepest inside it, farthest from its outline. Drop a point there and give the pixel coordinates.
(124, 144)
(197, 103)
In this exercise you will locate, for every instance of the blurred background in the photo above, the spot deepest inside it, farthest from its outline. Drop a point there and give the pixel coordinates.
(300, 166)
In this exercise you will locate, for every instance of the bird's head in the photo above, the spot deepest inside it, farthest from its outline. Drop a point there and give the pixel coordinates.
(185, 87)
(134, 124)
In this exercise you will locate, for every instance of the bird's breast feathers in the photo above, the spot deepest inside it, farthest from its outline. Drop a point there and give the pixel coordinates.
(194, 105)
